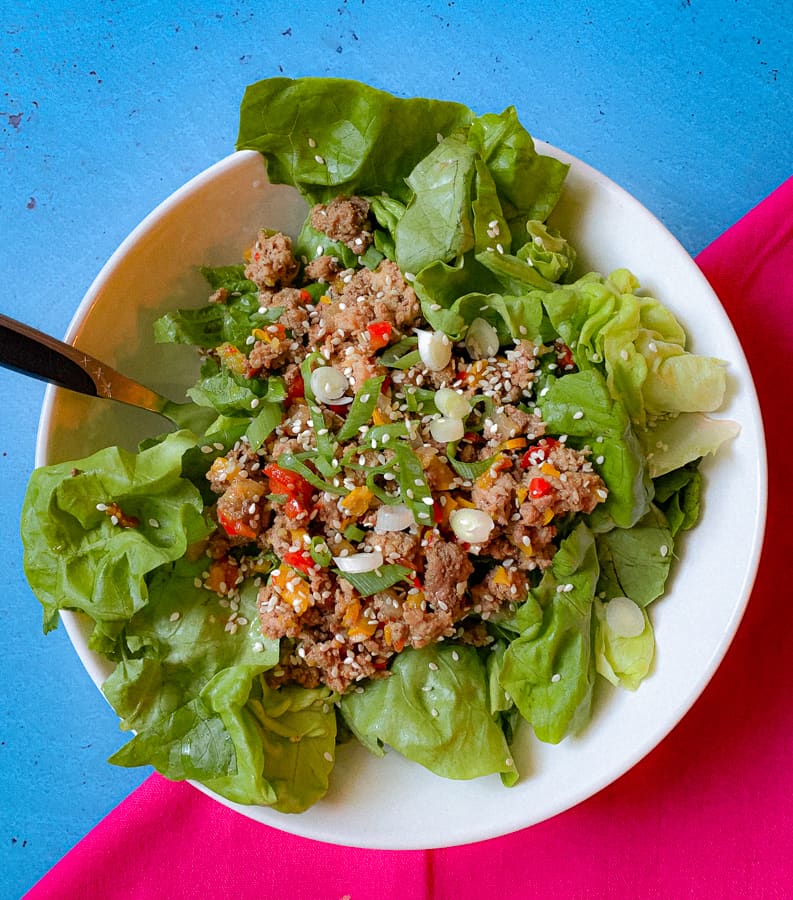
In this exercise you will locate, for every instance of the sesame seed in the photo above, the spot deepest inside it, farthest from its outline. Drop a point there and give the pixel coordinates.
(174, 616)
(663, 550)
(433, 667)
(434, 712)
(319, 160)
(556, 678)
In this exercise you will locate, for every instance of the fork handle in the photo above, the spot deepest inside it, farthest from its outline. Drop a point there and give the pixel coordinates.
(31, 352)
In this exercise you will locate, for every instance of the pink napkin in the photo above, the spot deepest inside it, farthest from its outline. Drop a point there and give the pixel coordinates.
(707, 814)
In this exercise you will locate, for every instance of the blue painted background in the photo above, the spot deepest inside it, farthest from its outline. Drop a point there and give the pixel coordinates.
(107, 107)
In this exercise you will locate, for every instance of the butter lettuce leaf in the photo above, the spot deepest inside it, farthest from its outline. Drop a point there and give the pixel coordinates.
(76, 557)
(624, 661)
(434, 709)
(580, 406)
(549, 671)
(332, 136)
(639, 343)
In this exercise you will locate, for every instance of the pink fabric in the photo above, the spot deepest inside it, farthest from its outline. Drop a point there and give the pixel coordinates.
(707, 814)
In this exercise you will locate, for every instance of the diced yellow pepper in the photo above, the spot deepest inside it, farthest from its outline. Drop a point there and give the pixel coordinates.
(362, 630)
(414, 599)
(547, 516)
(380, 418)
(547, 469)
(358, 501)
(513, 443)
(351, 614)
(232, 358)
(501, 576)
(223, 469)
(292, 588)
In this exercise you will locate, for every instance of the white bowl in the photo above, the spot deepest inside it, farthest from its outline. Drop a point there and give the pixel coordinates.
(391, 803)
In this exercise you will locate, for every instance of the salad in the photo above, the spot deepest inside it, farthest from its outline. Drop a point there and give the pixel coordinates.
(445, 479)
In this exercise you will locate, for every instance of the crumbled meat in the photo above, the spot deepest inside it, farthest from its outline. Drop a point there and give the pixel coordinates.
(272, 263)
(345, 220)
(323, 268)
(444, 588)
(379, 295)
(295, 315)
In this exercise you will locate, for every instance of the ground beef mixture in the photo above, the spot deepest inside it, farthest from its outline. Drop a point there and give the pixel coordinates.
(519, 481)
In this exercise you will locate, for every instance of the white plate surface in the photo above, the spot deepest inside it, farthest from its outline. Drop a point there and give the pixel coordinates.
(391, 803)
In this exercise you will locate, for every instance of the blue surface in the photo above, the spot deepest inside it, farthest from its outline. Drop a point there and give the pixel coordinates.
(106, 107)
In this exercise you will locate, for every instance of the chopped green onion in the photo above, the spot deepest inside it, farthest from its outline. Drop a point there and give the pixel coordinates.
(320, 552)
(354, 534)
(413, 488)
(326, 445)
(402, 355)
(469, 471)
(295, 464)
(368, 583)
(363, 405)
(382, 436)
(268, 418)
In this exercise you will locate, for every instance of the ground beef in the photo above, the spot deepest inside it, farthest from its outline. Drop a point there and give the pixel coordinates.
(270, 354)
(272, 263)
(495, 496)
(448, 589)
(379, 295)
(345, 220)
(322, 268)
(295, 315)
(446, 571)
(395, 546)
(356, 365)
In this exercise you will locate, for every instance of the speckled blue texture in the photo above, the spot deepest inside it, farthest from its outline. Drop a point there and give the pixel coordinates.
(107, 107)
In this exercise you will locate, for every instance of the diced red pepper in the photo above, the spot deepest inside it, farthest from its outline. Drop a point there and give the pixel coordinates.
(296, 389)
(539, 487)
(305, 297)
(235, 527)
(299, 559)
(298, 491)
(538, 452)
(437, 512)
(379, 334)
(564, 355)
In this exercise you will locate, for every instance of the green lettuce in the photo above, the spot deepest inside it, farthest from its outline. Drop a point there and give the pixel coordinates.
(215, 323)
(433, 709)
(635, 562)
(624, 661)
(331, 136)
(640, 344)
(549, 670)
(670, 444)
(580, 406)
(76, 557)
